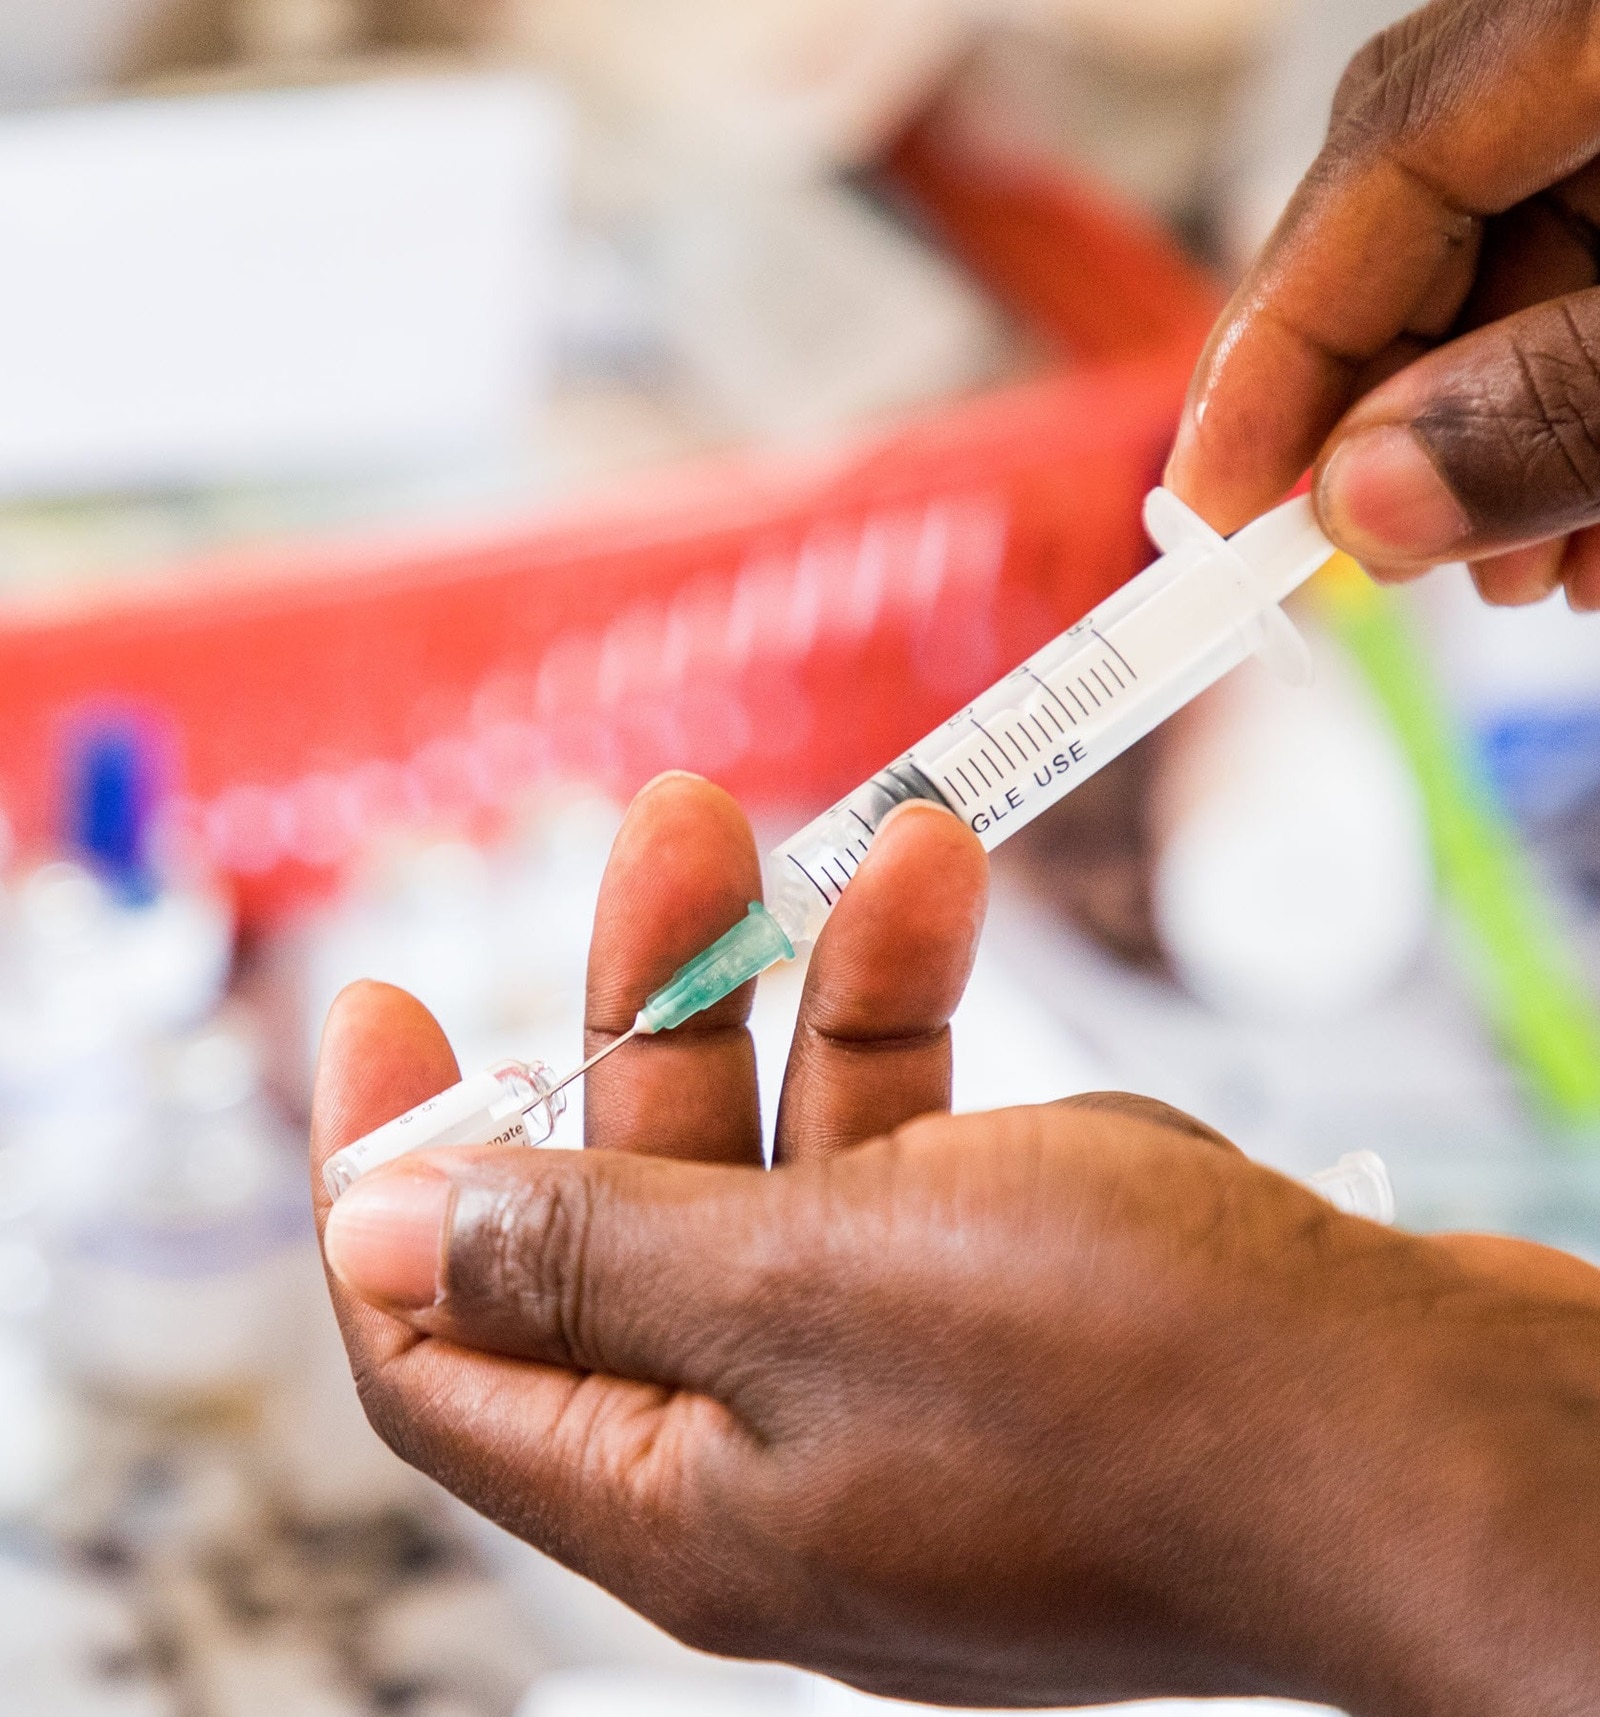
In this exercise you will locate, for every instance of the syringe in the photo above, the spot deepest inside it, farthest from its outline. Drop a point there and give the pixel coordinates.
(1199, 611)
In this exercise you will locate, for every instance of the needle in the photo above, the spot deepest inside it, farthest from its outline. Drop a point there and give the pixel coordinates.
(593, 1061)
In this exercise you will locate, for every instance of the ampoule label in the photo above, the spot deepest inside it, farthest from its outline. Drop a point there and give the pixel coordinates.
(478, 1111)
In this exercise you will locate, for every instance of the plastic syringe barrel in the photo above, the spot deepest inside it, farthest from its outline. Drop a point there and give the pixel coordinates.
(1078, 703)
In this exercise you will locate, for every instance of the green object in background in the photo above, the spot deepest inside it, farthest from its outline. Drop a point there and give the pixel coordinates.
(1533, 989)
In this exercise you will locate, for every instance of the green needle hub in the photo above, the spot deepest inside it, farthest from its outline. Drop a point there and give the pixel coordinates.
(755, 943)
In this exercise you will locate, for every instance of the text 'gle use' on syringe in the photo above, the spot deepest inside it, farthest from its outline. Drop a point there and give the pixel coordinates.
(1201, 609)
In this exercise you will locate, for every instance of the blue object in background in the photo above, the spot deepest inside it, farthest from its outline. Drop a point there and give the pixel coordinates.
(1543, 762)
(114, 796)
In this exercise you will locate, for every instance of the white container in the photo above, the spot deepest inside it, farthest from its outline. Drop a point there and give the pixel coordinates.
(275, 284)
(798, 309)
(749, 89)
(1293, 877)
(714, 1690)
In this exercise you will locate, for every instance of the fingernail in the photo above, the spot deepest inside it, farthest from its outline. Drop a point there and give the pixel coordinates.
(1382, 498)
(665, 776)
(385, 1236)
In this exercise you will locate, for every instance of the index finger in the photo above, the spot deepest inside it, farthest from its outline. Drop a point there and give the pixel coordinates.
(683, 869)
(1456, 113)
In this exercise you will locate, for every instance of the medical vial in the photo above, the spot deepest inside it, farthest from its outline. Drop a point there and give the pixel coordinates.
(512, 1103)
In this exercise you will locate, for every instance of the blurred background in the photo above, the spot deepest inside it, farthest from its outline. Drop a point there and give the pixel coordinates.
(420, 423)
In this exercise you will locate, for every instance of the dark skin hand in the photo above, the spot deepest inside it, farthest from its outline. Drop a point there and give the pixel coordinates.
(1424, 325)
(1053, 1405)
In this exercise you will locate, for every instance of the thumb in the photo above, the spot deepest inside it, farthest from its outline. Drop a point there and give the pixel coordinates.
(593, 1261)
(1488, 444)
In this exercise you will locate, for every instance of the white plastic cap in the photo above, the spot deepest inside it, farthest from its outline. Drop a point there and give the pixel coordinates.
(1293, 880)
(1359, 1185)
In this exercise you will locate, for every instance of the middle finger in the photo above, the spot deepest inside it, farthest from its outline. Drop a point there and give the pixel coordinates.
(872, 1045)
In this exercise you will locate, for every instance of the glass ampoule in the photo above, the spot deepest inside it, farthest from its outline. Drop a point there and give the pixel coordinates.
(511, 1103)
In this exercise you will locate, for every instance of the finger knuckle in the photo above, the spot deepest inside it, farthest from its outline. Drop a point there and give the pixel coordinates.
(1147, 1111)
(1531, 427)
(1429, 67)
(544, 1262)
(1391, 85)
(1561, 369)
(517, 1267)
(1364, 72)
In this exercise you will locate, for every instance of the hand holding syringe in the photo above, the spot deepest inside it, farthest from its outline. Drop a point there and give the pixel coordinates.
(1080, 702)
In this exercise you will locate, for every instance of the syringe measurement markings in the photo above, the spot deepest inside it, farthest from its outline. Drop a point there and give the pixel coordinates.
(844, 875)
(1079, 702)
(1013, 744)
(1049, 692)
(1000, 739)
(827, 899)
(1055, 719)
(1118, 654)
(996, 744)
